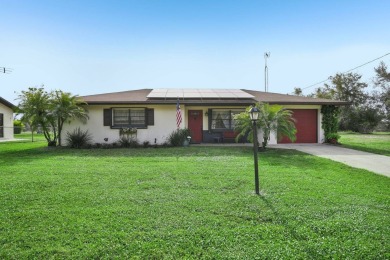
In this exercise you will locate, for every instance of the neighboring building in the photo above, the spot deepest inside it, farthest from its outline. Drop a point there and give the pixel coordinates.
(6, 119)
(208, 113)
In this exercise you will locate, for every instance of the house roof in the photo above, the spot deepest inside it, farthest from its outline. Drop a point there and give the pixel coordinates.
(201, 97)
(285, 99)
(6, 103)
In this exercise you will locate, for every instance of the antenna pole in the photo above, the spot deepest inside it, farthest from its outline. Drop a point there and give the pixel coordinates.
(266, 56)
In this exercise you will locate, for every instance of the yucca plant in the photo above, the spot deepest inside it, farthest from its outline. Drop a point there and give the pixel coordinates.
(78, 138)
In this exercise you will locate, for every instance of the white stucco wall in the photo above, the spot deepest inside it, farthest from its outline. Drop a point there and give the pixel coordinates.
(8, 121)
(164, 124)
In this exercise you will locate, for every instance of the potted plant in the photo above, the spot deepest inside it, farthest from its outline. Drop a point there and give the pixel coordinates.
(187, 141)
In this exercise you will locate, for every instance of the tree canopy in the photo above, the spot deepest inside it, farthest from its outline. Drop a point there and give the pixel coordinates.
(49, 111)
(366, 109)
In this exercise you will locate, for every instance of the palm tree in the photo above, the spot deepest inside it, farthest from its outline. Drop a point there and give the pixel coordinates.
(65, 107)
(272, 118)
(35, 106)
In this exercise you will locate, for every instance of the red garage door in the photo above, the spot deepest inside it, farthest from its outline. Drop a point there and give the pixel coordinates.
(306, 124)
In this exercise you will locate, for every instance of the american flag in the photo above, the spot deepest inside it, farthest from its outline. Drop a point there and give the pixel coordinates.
(178, 114)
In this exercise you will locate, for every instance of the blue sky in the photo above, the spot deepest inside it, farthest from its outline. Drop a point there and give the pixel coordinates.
(91, 47)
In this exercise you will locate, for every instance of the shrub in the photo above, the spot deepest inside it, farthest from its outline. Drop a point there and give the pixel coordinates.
(125, 141)
(134, 143)
(361, 119)
(18, 126)
(330, 121)
(332, 138)
(146, 144)
(177, 137)
(106, 146)
(165, 145)
(78, 138)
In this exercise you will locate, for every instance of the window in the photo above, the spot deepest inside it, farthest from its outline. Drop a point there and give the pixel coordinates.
(126, 117)
(223, 119)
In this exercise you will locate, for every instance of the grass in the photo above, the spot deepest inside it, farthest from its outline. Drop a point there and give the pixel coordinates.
(378, 142)
(194, 202)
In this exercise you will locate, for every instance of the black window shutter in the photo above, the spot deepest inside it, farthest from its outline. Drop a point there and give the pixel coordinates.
(150, 116)
(107, 117)
(1, 125)
(210, 116)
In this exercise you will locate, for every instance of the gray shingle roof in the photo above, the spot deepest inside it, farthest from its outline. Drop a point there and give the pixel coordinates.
(140, 97)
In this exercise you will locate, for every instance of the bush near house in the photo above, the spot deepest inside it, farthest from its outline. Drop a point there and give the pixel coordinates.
(18, 126)
(78, 138)
(177, 137)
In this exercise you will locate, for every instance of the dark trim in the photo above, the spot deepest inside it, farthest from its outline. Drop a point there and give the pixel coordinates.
(216, 103)
(150, 116)
(107, 117)
(221, 130)
(336, 103)
(130, 126)
(7, 103)
(235, 103)
(138, 126)
(1, 125)
(209, 117)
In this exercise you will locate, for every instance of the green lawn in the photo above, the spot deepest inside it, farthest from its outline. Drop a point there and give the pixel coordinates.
(195, 202)
(378, 143)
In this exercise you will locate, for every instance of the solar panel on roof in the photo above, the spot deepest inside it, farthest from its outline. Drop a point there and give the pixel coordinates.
(199, 93)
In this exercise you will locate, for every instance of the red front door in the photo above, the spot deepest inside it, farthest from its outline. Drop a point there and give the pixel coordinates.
(195, 124)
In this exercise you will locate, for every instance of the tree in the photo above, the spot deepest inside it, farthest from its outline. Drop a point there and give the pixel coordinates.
(364, 119)
(382, 81)
(272, 119)
(298, 92)
(35, 105)
(66, 107)
(324, 92)
(50, 111)
(346, 87)
(349, 87)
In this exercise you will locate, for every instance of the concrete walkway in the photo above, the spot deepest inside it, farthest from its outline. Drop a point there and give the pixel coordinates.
(3, 140)
(379, 164)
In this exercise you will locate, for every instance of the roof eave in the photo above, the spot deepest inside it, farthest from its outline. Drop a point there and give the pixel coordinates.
(213, 103)
(336, 103)
(7, 103)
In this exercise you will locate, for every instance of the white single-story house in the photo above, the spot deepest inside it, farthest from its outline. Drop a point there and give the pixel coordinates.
(208, 113)
(6, 119)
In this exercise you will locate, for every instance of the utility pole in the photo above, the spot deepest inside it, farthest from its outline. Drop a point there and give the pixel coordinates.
(5, 70)
(266, 56)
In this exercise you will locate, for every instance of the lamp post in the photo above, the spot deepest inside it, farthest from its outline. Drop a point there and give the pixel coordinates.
(254, 115)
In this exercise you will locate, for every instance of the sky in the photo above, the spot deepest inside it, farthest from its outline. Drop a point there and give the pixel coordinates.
(93, 47)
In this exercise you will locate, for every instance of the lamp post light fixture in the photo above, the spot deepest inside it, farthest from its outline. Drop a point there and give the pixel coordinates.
(254, 115)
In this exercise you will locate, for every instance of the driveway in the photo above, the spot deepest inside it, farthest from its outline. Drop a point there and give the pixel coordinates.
(379, 164)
